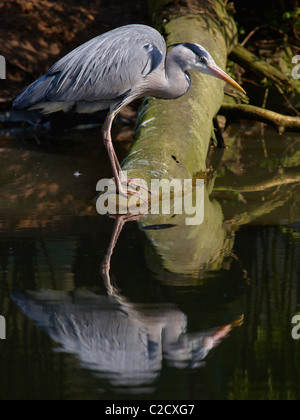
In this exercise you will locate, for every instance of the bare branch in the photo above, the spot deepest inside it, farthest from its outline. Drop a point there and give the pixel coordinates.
(281, 122)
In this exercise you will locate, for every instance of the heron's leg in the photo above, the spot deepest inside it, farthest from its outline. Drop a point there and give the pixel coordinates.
(105, 266)
(117, 162)
(134, 182)
(120, 180)
(116, 167)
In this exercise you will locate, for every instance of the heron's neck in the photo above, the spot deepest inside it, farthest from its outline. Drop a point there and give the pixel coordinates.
(177, 78)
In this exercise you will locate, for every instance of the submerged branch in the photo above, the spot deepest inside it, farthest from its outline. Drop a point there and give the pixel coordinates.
(281, 122)
(6, 101)
(276, 181)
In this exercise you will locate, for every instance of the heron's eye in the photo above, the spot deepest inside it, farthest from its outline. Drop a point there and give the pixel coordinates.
(202, 60)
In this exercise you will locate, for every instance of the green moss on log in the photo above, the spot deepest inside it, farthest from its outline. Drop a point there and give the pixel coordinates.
(173, 138)
(180, 128)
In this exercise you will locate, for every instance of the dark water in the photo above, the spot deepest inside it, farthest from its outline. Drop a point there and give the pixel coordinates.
(191, 313)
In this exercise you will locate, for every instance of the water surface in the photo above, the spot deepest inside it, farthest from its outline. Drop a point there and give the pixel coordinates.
(184, 313)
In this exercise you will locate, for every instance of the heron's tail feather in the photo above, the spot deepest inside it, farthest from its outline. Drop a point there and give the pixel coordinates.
(51, 107)
(33, 94)
(36, 96)
(41, 95)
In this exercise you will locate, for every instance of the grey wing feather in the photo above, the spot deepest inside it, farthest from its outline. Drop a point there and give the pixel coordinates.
(105, 68)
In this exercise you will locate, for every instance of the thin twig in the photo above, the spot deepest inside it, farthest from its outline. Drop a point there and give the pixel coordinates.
(251, 34)
(260, 67)
(290, 105)
(264, 105)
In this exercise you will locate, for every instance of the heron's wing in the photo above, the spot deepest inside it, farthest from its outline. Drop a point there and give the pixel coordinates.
(105, 68)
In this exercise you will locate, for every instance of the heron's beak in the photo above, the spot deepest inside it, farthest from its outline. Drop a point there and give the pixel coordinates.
(220, 74)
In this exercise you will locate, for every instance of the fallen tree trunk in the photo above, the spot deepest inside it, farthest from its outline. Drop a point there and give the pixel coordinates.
(173, 137)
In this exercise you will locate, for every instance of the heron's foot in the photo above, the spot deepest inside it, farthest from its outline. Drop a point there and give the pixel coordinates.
(126, 192)
(133, 187)
(137, 183)
(124, 218)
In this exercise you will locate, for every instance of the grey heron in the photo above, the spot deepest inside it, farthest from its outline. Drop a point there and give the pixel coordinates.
(114, 69)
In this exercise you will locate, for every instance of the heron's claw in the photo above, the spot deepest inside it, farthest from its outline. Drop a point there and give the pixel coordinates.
(135, 182)
(125, 192)
(126, 188)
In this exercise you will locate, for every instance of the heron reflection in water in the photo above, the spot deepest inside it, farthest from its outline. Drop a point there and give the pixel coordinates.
(122, 342)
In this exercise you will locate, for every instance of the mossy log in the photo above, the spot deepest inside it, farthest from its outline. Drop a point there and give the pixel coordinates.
(173, 137)
(281, 77)
(260, 67)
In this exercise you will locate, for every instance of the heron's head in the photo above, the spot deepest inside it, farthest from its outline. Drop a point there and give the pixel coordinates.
(198, 58)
